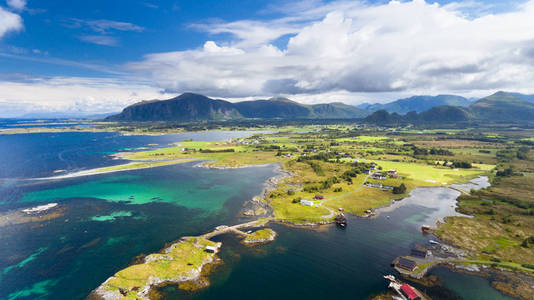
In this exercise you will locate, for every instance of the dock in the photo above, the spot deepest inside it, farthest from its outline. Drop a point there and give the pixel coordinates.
(223, 229)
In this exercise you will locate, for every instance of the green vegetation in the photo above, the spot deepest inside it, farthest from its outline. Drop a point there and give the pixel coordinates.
(336, 166)
(260, 236)
(335, 161)
(502, 230)
(178, 263)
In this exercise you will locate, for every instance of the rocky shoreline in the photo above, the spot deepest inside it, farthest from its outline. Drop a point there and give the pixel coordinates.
(261, 236)
(122, 286)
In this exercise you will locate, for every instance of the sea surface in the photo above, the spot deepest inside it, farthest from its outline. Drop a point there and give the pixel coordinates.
(110, 219)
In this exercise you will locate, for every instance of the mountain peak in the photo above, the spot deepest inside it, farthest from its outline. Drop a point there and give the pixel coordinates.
(191, 96)
(500, 93)
(280, 99)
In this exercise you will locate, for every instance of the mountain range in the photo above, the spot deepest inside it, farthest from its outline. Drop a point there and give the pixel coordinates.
(189, 107)
(417, 103)
(499, 107)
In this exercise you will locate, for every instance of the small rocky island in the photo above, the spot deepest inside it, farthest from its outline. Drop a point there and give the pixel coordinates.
(181, 262)
(261, 236)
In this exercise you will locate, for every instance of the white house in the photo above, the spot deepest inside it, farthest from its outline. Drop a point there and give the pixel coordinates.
(306, 202)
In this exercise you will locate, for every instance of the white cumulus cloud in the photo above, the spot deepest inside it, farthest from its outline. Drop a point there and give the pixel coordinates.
(9, 22)
(356, 47)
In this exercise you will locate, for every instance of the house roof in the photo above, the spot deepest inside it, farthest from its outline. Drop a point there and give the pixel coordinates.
(407, 262)
(419, 252)
(409, 291)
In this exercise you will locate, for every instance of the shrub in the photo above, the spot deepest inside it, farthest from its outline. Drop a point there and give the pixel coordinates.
(462, 165)
(528, 242)
(316, 168)
(401, 189)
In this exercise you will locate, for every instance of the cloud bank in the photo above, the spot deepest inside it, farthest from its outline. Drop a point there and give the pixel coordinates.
(72, 94)
(357, 48)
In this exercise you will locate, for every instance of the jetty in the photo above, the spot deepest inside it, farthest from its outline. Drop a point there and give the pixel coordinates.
(223, 229)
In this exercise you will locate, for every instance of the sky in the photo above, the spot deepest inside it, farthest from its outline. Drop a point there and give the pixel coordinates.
(99, 56)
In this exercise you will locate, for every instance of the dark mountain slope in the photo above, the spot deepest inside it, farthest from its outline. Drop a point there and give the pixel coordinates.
(192, 107)
(337, 111)
(503, 107)
(529, 98)
(437, 115)
(184, 108)
(273, 108)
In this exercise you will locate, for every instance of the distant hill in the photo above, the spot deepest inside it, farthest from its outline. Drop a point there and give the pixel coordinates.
(499, 107)
(417, 104)
(337, 110)
(190, 107)
(503, 106)
(437, 115)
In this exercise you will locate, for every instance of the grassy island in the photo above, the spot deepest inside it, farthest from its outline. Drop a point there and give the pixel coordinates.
(182, 261)
(260, 236)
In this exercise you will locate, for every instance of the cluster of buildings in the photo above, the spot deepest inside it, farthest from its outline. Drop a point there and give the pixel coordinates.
(246, 142)
(409, 263)
(379, 186)
(310, 202)
(380, 176)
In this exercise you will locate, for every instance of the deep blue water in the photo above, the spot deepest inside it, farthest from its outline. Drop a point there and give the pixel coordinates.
(40, 154)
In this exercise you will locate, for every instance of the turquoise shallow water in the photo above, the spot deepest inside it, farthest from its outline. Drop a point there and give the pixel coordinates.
(109, 220)
(185, 189)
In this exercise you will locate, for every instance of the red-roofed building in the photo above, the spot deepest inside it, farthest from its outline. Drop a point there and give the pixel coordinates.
(409, 292)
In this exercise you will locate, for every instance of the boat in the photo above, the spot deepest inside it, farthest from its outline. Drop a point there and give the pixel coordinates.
(341, 220)
(433, 242)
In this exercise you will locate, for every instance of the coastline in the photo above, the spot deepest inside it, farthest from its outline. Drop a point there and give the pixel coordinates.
(459, 260)
(117, 168)
(120, 285)
(107, 291)
(271, 184)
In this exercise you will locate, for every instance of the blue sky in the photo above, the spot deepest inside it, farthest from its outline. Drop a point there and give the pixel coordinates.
(98, 55)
